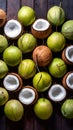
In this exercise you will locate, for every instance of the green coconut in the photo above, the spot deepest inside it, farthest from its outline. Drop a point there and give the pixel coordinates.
(56, 15)
(67, 29)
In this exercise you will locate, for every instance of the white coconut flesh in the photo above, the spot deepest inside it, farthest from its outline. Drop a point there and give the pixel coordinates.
(69, 53)
(41, 25)
(27, 96)
(57, 93)
(11, 82)
(69, 80)
(12, 29)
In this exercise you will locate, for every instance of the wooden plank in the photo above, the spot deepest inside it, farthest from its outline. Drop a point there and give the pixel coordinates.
(28, 122)
(41, 8)
(3, 4)
(28, 3)
(43, 124)
(12, 9)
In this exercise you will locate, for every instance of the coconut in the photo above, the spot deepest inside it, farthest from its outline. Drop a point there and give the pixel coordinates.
(56, 15)
(67, 80)
(12, 82)
(42, 55)
(28, 95)
(67, 55)
(13, 29)
(3, 17)
(67, 29)
(57, 93)
(41, 28)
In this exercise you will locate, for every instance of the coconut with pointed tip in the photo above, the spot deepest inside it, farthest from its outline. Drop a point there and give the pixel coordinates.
(67, 80)
(13, 29)
(3, 17)
(57, 93)
(28, 95)
(42, 55)
(67, 55)
(12, 82)
(41, 28)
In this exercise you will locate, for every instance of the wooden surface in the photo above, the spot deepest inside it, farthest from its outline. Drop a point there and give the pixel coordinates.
(29, 121)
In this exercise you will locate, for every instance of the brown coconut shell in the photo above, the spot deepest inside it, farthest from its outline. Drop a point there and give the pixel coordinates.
(36, 94)
(41, 34)
(3, 17)
(42, 55)
(20, 81)
(64, 80)
(65, 59)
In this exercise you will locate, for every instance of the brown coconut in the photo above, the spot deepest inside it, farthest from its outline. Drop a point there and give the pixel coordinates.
(3, 17)
(42, 55)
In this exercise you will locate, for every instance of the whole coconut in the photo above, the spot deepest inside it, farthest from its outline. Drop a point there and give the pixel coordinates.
(3, 17)
(42, 55)
(56, 15)
(13, 110)
(67, 29)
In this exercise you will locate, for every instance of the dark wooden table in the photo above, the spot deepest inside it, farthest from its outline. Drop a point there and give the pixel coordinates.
(29, 121)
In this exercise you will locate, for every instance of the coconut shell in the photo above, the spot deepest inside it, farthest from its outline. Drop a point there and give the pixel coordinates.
(42, 55)
(41, 34)
(20, 81)
(65, 59)
(64, 80)
(3, 17)
(36, 94)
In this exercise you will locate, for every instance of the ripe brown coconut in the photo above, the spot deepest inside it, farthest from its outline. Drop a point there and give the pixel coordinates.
(3, 17)
(67, 55)
(12, 82)
(28, 95)
(42, 55)
(67, 80)
(41, 28)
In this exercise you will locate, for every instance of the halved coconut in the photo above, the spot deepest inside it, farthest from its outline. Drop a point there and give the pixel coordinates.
(41, 28)
(13, 29)
(3, 17)
(12, 82)
(57, 93)
(67, 80)
(67, 55)
(28, 95)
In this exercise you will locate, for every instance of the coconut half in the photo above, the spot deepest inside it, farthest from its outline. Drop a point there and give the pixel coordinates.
(12, 82)
(67, 55)
(57, 93)
(41, 28)
(13, 29)
(67, 80)
(28, 95)
(3, 17)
